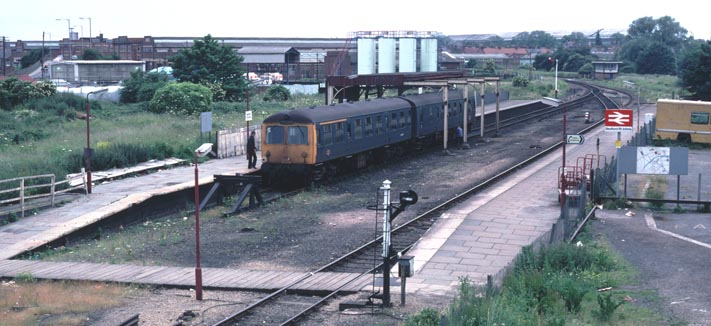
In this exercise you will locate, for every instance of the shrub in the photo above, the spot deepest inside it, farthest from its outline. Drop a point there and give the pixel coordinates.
(181, 99)
(25, 277)
(14, 92)
(607, 306)
(426, 317)
(141, 86)
(519, 81)
(277, 93)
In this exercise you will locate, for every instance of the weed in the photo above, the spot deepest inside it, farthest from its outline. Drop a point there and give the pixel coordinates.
(426, 317)
(607, 306)
(25, 277)
(572, 293)
(12, 217)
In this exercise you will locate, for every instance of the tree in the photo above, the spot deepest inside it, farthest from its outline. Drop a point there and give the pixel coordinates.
(656, 58)
(141, 86)
(575, 40)
(91, 54)
(32, 57)
(181, 99)
(695, 71)
(208, 61)
(641, 28)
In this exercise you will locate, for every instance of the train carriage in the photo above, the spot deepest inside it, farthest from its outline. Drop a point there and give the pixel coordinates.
(322, 140)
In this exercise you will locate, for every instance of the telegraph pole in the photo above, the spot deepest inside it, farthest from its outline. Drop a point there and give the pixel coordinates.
(3, 55)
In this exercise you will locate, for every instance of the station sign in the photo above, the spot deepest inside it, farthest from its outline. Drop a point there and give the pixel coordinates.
(617, 120)
(574, 139)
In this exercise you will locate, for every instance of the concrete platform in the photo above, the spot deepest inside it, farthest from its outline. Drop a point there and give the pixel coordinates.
(107, 198)
(483, 235)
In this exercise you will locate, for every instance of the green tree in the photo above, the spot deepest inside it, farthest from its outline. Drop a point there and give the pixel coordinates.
(656, 58)
(32, 57)
(91, 54)
(695, 71)
(576, 41)
(181, 99)
(14, 92)
(208, 61)
(141, 86)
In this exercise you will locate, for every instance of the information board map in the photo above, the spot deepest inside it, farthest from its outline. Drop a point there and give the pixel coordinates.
(653, 160)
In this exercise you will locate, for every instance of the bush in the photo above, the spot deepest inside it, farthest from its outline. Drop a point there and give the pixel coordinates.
(277, 93)
(426, 317)
(108, 156)
(142, 86)
(14, 92)
(519, 81)
(181, 99)
(607, 306)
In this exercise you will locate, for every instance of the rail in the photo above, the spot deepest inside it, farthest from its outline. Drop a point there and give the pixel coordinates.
(27, 190)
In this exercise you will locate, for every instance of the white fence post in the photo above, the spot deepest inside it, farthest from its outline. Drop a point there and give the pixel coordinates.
(22, 197)
(52, 189)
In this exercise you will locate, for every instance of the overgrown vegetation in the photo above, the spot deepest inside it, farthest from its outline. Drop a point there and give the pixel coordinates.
(26, 301)
(558, 285)
(181, 99)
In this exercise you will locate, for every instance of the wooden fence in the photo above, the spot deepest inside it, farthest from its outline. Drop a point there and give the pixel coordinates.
(28, 190)
(233, 142)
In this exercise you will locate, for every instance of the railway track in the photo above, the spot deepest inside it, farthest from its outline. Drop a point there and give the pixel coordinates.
(285, 306)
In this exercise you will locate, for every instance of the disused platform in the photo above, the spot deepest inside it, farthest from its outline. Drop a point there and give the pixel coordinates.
(106, 200)
(184, 277)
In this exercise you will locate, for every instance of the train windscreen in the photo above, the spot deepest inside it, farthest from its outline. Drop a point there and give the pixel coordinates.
(275, 135)
(298, 135)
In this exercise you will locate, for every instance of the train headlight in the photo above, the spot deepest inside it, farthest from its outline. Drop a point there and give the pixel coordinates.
(268, 154)
(304, 154)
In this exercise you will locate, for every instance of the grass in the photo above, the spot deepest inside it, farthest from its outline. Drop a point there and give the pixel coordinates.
(26, 301)
(557, 285)
(51, 141)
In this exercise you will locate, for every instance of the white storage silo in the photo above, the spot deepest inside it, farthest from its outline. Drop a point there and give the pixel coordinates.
(386, 55)
(366, 56)
(408, 55)
(428, 54)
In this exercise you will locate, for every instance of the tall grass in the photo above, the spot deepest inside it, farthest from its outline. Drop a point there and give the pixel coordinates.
(558, 285)
(52, 140)
(30, 302)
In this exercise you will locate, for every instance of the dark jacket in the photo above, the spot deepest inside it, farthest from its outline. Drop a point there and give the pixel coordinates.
(251, 147)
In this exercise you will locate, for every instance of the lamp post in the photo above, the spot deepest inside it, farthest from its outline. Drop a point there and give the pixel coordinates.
(556, 78)
(91, 44)
(69, 30)
(199, 152)
(88, 143)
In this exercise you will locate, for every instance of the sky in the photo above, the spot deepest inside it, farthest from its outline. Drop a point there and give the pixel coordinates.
(27, 20)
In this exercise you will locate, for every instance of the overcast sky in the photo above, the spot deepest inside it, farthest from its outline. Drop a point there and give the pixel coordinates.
(27, 19)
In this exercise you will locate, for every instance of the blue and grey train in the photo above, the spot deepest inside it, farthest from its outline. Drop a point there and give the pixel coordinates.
(309, 144)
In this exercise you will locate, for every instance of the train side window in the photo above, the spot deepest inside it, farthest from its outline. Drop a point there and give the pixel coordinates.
(275, 135)
(403, 123)
(326, 136)
(298, 135)
(378, 125)
(368, 126)
(358, 129)
(700, 118)
(338, 133)
(408, 118)
(393, 121)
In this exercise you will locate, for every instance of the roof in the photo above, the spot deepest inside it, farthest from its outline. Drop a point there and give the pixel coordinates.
(99, 62)
(267, 50)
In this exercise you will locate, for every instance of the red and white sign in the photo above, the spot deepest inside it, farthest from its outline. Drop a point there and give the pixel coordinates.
(618, 120)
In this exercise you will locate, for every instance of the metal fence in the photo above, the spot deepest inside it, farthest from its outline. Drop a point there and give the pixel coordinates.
(572, 213)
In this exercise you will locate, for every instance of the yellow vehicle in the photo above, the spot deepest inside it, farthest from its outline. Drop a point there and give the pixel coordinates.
(686, 121)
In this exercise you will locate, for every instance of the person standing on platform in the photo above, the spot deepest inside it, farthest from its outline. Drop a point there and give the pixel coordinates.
(251, 152)
(460, 137)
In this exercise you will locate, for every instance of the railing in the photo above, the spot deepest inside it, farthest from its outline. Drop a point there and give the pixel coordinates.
(28, 190)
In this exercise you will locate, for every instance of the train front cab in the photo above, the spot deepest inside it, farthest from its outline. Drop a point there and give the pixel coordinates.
(288, 149)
